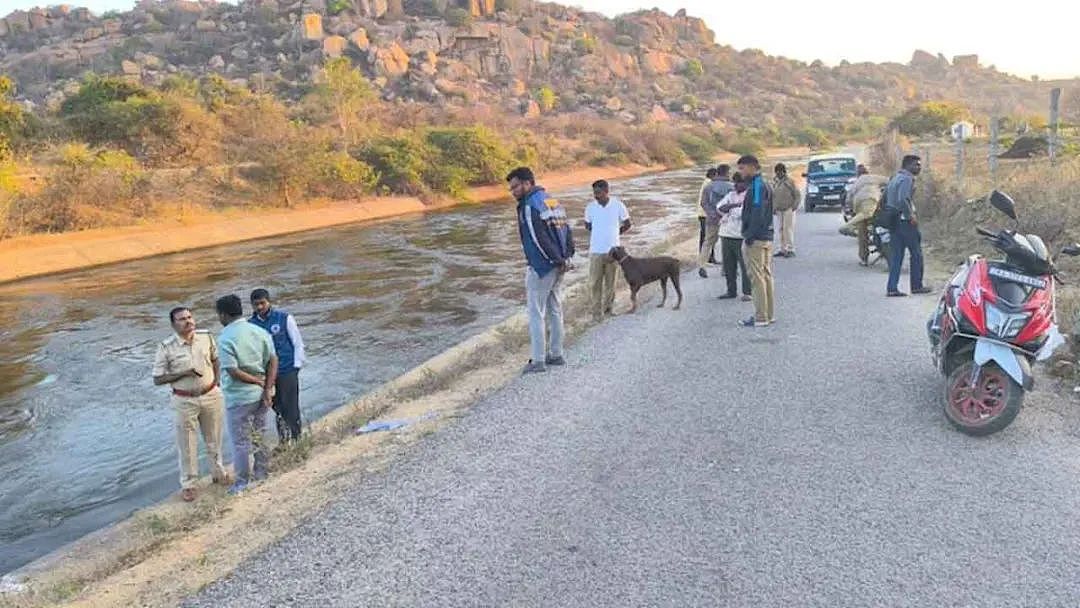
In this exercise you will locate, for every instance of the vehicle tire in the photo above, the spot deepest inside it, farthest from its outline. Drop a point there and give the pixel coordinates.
(809, 207)
(991, 406)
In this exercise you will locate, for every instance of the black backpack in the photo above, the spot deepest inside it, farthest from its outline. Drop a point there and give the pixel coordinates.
(886, 217)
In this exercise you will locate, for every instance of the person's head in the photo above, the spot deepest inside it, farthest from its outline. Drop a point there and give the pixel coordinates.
(521, 181)
(749, 165)
(601, 191)
(711, 173)
(740, 182)
(861, 170)
(260, 301)
(780, 170)
(723, 171)
(229, 308)
(912, 163)
(181, 320)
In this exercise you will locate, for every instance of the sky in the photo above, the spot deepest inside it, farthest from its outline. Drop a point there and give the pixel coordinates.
(1035, 37)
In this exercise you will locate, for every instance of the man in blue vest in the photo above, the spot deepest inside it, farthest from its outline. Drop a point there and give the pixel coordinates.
(290, 352)
(549, 248)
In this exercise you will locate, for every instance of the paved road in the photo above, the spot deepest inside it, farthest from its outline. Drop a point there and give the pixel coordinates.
(683, 461)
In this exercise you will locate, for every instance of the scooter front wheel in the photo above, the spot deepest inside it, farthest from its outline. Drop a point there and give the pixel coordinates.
(984, 404)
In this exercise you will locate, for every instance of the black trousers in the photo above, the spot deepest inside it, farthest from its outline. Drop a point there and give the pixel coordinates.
(701, 240)
(287, 405)
(731, 250)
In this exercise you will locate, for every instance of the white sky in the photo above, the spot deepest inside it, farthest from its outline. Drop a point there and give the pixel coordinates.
(1031, 37)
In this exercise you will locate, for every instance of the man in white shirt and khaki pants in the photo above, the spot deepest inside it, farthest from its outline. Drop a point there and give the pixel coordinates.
(606, 218)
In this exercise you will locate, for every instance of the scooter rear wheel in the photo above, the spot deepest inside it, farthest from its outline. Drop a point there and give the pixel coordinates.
(988, 406)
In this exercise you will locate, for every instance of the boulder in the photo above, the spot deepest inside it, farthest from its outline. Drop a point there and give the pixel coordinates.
(18, 21)
(659, 114)
(240, 53)
(112, 26)
(613, 104)
(530, 109)
(334, 46)
(450, 88)
(130, 68)
(966, 62)
(359, 39)
(38, 19)
(205, 25)
(91, 33)
(482, 8)
(216, 63)
(423, 40)
(659, 63)
(518, 88)
(3, 28)
(311, 26)
(425, 63)
(391, 61)
(59, 11)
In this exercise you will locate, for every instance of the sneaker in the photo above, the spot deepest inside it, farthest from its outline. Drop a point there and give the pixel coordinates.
(789, 254)
(727, 296)
(921, 290)
(747, 297)
(864, 263)
(752, 322)
(701, 272)
(556, 361)
(896, 294)
(534, 368)
(238, 488)
(779, 254)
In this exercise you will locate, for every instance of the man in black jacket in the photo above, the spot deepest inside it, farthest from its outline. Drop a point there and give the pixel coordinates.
(757, 232)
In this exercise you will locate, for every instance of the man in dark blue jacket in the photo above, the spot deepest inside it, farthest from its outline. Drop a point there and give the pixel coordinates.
(757, 232)
(549, 247)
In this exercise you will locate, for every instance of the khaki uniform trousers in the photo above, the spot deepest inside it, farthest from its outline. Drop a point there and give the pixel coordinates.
(602, 271)
(759, 258)
(195, 415)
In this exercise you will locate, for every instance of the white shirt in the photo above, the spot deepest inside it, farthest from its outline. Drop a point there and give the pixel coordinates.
(605, 221)
(299, 356)
(731, 222)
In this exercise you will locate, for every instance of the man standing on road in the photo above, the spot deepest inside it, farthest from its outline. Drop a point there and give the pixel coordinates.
(731, 240)
(188, 362)
(605, 218)
(757, 233)
(785, 201)
(899, 197)
(549, 247)
(862, 198)
(711, 196)
(709, 175)
(289, 347)
(250, 370)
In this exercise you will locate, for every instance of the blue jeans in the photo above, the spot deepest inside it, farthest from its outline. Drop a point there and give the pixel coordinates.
(247, 423)
(905, 236)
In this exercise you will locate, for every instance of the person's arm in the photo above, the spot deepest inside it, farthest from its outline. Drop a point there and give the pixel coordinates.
(624, 218)
(161, 366)
(541, 236)
(588, 220)
(227, 361)
(299, 356)
(214, 361)
(271, 360)
(905, 188)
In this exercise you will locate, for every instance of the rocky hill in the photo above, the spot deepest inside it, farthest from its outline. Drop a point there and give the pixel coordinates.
(515, 55)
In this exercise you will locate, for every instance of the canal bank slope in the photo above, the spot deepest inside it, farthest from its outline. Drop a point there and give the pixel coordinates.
(38, 255)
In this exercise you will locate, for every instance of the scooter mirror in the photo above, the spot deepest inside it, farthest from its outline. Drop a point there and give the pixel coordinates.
(1073, 250)
(1003, 203)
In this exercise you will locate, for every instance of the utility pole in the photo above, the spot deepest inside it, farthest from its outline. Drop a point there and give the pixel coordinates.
(1055, 101)
(993, 158)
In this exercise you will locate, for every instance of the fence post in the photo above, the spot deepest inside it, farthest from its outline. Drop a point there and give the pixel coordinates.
(959, 136)
(993, 158)
(1055, 99)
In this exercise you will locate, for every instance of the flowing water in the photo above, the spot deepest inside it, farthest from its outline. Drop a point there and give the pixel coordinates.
(85, 437)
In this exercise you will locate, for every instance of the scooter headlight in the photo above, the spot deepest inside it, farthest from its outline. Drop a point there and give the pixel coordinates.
(1003, 324)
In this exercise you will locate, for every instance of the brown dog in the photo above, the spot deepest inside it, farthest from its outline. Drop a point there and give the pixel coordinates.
(640, 272)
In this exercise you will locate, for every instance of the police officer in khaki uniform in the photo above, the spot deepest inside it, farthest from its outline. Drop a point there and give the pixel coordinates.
(188, 362)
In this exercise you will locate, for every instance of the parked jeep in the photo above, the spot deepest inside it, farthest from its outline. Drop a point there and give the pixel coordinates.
(827, 179)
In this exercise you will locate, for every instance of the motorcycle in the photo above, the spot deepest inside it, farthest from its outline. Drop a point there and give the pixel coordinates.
(877, 237)
(996, 318)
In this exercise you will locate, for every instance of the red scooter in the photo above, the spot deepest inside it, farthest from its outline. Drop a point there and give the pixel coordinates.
(994, 320)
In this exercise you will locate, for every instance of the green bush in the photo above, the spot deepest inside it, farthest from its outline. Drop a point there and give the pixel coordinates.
(458, 17)
(663, 148)
(745, 145)
(546, 98)
(693, 69)
(585, 44)
(813, 137)
(336, 7)
(399, 163)
(476, 150)
(339, 175)
(929, 118)
(699, 149)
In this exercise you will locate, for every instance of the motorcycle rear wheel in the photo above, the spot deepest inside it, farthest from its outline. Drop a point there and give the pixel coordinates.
(987, 408)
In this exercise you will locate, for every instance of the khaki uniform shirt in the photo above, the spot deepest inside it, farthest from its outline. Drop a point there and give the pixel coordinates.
(174, 355)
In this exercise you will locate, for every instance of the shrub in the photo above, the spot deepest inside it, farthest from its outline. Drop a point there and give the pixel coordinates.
(699, 149)
(662, 146)
(746, 145)
(931, 117)
(458, 17)
(398, 161)
(339, 175)
(336, 7)
(546, 98)
(476, 150)
(813, 137)
(586, 44)
(693, 69)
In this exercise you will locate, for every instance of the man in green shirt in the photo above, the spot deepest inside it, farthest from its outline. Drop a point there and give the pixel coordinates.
(249, 370)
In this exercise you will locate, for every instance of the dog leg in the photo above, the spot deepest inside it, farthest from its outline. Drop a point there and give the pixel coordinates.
(663, 291)
(633, 299)
(675, 283)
